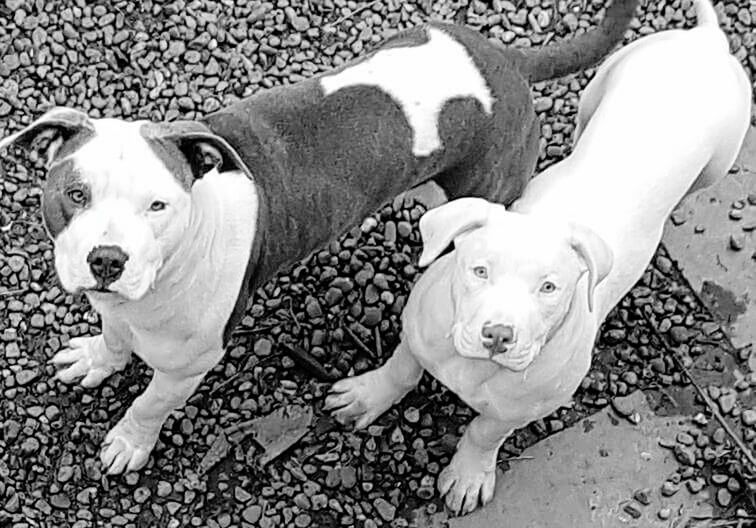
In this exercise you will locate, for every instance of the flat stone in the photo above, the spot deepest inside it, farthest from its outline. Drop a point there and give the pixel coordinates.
(725, 279)
(533, 491)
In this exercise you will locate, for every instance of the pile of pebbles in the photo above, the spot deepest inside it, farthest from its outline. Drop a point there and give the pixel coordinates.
(150, 60)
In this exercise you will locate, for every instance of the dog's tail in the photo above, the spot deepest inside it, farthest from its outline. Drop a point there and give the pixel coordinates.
(583, 51)
(705, 13)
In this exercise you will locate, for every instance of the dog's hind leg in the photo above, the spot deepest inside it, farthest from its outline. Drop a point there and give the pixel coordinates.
(94, 358)
(361, 399)
(470, 477)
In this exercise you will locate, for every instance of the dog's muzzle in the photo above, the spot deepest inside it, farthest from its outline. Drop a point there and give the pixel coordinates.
(106, 264)
(497, 338)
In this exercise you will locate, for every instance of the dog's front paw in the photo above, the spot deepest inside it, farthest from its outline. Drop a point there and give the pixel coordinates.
(465, 482)
(128, 445)
(88, 358)
(362, 399)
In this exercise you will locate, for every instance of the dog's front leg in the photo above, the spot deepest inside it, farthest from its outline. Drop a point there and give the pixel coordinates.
(471, 475)
(128, 445)
(361, 399)
(94, 358)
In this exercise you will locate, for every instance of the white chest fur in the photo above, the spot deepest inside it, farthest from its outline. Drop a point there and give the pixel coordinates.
(421, 79)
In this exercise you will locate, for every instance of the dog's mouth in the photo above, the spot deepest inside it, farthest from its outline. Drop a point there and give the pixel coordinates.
(515, 358)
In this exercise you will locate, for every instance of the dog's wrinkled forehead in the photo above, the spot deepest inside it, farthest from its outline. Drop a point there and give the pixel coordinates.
(114, 160)
(512, 239)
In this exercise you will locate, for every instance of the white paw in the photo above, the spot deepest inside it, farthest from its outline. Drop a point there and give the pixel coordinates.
(466, 482)
(127, 446)
(88, 358)
(362, 399)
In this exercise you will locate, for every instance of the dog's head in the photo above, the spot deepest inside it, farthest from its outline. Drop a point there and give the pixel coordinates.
(118, 195)
(514, 276)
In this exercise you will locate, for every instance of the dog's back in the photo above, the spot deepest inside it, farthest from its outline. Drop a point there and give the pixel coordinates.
(662, 116)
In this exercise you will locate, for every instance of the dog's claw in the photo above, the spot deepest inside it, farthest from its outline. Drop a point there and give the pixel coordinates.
(88, 359)
(465, 484)
(127, 446)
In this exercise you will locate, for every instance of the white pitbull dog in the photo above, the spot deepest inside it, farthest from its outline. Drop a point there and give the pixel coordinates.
(508, 319)
(168, 228)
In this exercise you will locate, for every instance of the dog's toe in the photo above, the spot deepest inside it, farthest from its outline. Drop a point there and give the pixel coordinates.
(127, 447)
(338, 400)
(464, 486)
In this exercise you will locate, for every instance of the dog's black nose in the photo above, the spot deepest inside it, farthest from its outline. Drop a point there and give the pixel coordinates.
(494, 336)
(107, 263)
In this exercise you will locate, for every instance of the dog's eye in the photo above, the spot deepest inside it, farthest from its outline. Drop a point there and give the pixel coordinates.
(481, 272)
(77, 196)
(158, 205)
(548, 287)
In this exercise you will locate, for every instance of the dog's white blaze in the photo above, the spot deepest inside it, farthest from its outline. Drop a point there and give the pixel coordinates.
(421, 79)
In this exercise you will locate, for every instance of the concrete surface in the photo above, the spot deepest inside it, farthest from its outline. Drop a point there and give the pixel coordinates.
(586, 475)
(698, 237)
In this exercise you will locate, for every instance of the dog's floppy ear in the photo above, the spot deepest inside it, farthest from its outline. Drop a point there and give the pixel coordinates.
(595, 254)
(439, 226)
(58, 124)
(201, 148)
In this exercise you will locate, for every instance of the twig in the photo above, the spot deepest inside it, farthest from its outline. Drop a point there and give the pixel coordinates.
(291, 313)
(353, 13)
(704, 395)
(8, 293)
(378, 345)
(359, 342)
(308, 362)
(524, 457)
(251, 331)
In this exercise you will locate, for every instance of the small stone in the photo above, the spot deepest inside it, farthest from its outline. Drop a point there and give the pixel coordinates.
(372, 316)
(737, 241)
(623, 406)
(680, 334)
(724, 497)
(643, 496)
(164, 488)
(719, 478)
(348, 477)
(727, 402)
(141, 494)
(733, 485)
(404, 229)
(252, 514)
(664, 514)
(65, 473)
(24, 377)
(736, 214)
(748, 417)
(633, 511)
(685, 439)
(669, 488)
(752, 198)
(385, 509)
(60, 501)
(412, 415)
(685, 455)
(695, 485)
(263, 347)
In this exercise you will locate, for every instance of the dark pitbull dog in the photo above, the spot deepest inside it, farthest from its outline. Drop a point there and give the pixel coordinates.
(169, 227)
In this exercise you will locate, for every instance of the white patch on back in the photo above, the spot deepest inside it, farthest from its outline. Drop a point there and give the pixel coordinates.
(421, 79)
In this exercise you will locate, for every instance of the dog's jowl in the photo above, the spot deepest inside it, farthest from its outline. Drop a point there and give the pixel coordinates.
(168, 228)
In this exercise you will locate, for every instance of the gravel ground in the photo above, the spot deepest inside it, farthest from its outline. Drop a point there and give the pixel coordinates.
(212, 465)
